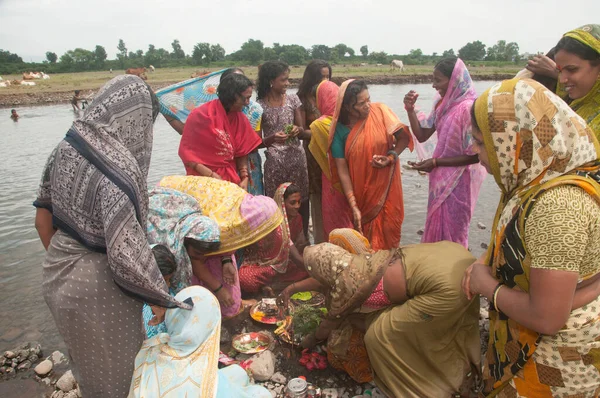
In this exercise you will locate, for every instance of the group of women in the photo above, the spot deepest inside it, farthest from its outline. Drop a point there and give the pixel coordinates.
(407, 317)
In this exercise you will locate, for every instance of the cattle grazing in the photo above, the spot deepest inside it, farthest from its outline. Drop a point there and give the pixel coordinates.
(363, 64)
(151, 67)
(140, 72)
(397, 64)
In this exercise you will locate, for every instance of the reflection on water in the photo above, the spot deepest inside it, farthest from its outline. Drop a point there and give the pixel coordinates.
(25, 147)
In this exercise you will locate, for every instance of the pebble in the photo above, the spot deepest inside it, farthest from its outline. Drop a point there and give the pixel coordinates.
(481, 225)
(26, 364)
(58, 358)
(262, 366)
(278, 378)
(420, 232)
(9, 354)
(484, 245)
(43, 368)
(329, 393)
(66, 382)
(58, 394)
(33, 358)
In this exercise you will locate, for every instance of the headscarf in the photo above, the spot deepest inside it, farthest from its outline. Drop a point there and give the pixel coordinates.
(274, 250)
(97, 178)
(172, 217)
(350, 278)
(350, 240)
(588, 107)
(534, 142)
(243, 219)
(319, 143)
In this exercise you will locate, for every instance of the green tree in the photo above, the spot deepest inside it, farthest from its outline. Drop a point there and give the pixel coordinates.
(380, 57)
(448, 53)
(269, 54)
(252, 51)
(217, 53)
(178, 52)
(473, 51)
(364, 50)
(294, 54)
(122, 54)
(99, 57)
(321, 51)
(51, 57)
(201, 54)
(343, 50)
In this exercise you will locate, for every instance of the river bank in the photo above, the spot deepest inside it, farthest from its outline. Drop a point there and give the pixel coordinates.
(59, 88)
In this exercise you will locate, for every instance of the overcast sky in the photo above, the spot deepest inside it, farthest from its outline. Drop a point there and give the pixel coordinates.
(32, 27)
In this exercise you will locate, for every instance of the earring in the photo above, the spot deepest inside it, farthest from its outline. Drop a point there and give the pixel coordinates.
(271, 85)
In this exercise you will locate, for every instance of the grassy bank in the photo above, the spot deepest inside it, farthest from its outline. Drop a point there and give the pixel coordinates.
(59, 88)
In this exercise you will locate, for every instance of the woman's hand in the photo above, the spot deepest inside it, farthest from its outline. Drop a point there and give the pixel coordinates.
(159, 315)
(244, 183)
(410, 99)
(357, 216)
(426, 165)
(542, 65)
(380, 161)
(280, 137)
(295, 131)
(474, 277)
(283, 299)
(224, 297)
(229, 274)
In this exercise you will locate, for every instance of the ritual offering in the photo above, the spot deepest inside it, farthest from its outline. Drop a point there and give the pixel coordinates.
(251, 343)
(313, 299)
(288, 131)
(267, 311)
(303, 321)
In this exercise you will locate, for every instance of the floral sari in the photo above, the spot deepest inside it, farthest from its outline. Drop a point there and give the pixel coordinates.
(453, 191)
(551, 148)
(215, 138)
(334, 206)
(378, 192)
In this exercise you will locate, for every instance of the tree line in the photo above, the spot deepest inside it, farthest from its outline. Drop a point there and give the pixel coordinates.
(252, 52)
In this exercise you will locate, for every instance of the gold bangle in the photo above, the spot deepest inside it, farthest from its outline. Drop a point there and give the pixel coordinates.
(495, 296)
(434, 162)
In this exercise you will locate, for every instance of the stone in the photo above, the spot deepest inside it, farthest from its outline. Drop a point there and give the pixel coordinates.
(484, 245)
(481, 225)
(36, 350)
(14, 363)
(376, 393)
(66, 382)
(262, 365)
(25, 346)
(71, 394)
(33, 358)
(9, 355)
(278, 378)
(58, 358)
(10, 371)
(58, 394)
(43, 368)
(26, 364)
(420, 232)
(329, 393)
(22, 355)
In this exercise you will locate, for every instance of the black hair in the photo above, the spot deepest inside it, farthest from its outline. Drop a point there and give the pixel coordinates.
(232, 86)
(352, 91)
(312, 77)
(13, 110)
(446, 66)
(201, 246)
(155, 104)
(164, 259)
(268, 72)
(576, 47)
(229, 72)
(77, 92)
(292, 189)
(474, 123)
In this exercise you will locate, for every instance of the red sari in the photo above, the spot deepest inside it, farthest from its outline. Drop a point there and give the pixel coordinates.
(378, 192)
(215, 138)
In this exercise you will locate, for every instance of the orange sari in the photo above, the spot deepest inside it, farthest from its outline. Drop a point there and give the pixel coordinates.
(378, 192)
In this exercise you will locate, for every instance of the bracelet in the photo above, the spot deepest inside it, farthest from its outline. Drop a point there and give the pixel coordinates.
(226, 260)
(217, 289)
(434, 162)
(393, 153)
(495, 296)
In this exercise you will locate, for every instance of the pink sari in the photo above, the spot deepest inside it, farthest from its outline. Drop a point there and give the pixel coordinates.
(453, 191)
(215, 138)
(335, 209)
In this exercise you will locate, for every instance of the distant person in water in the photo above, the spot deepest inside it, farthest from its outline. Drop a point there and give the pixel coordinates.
(14, 115)
(76, 100)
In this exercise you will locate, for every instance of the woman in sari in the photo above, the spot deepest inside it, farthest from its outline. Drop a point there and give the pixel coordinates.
(365, 141)
(288, 199)
(576, 65)
(541, 271)
(403, 309)
(316, 72)
(91, 216)
(335, 210)
(455, 174)
(217, 137)
(183, 362)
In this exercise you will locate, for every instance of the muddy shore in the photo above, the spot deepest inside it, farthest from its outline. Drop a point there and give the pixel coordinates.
(65, 94)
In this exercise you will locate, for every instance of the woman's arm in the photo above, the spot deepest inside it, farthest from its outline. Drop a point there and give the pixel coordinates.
(242, 167)
(176, 124)
(203, 170)
(43, 225)
(296, 256)
(344, 174)
(421, 133)
(402, 141)
(428, 165)
(201, 272)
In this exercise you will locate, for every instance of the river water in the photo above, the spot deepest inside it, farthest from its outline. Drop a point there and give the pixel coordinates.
(24, 148)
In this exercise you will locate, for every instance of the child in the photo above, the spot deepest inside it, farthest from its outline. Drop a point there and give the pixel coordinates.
(167, 266)
(14, 115)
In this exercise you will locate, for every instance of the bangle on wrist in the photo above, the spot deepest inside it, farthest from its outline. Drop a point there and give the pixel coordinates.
(393, 153)
(435, 162)
(217, 289)
(493, 302)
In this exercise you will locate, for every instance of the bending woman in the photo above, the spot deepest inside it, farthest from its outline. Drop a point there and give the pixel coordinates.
(183, 362)
(421, 333)
(544, 255)
(455, 174)
(93, 223)
(365, 142)
(217, 137)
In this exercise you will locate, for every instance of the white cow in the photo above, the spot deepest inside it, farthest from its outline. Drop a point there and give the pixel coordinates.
(151, 67)
(45, 76)
(397, 64)
(26, 83)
